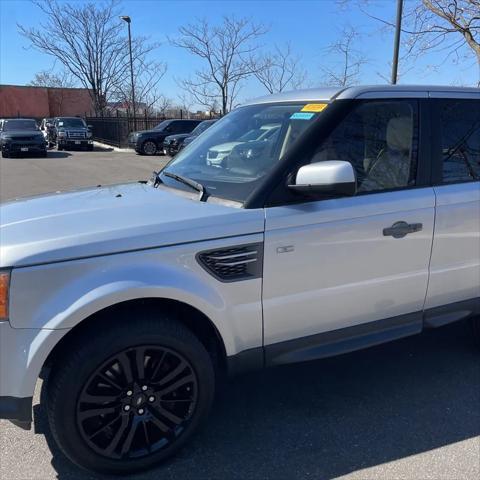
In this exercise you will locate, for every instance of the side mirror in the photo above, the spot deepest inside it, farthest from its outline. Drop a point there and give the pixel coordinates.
(333, 177)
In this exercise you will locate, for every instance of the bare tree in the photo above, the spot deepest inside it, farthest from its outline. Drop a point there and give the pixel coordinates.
(88, 39)
(146, 78)
(186, 103)
(281, 70)
(448, 27)
(46, 78)
(57, 81)
(346, 70)
(163, 105)
(228, 53)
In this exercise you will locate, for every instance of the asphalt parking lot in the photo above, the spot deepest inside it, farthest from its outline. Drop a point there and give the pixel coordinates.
(405, 410)
(68, 170)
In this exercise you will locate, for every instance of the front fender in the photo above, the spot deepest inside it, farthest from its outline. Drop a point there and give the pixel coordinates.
(62, 295)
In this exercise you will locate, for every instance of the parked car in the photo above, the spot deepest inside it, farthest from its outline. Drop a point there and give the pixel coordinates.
(72, 132)
(217, 153)
(356, 224)
(46, 127)
(150, 142)
(174, 143)
(21, 136)
(206, 124)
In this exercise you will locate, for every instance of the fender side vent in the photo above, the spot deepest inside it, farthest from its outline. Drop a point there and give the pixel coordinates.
(233, 263)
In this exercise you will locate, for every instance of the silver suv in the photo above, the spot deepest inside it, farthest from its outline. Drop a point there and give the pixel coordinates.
(357, 223)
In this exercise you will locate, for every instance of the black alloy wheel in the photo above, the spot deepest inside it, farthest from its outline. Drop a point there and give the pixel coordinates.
(149, 147)
(126, 396)
(138, 402)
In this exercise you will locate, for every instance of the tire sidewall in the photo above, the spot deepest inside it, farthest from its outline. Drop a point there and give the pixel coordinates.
(63, 416)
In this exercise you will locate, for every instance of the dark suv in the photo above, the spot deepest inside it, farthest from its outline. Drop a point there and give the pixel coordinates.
(71, 132)
(21, 136)
(150, 142)
(174, 143)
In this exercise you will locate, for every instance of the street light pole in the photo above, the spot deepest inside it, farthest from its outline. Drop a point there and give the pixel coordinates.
(396, 45)
(127, 19)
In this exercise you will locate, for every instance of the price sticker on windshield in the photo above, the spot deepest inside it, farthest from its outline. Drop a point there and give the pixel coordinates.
(314, 107)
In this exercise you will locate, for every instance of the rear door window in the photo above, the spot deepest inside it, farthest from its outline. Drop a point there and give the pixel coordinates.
(459, 136)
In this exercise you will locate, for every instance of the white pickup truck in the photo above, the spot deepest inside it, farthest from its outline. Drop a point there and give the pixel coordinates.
(357, 223)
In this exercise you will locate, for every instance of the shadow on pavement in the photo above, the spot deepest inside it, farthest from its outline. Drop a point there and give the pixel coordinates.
(331, 417)
(58, 154)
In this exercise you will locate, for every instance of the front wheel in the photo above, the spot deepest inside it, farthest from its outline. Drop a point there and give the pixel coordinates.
(130, 396)
(149, 147)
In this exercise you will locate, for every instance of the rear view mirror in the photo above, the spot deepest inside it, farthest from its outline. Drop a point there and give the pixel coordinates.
(333, 177)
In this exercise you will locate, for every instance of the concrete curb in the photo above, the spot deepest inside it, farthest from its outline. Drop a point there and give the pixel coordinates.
(111, 147)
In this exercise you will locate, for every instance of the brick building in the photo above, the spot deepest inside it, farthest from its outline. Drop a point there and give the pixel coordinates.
(40, 102)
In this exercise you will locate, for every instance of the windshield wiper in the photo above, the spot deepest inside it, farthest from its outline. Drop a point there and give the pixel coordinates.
(191, 183)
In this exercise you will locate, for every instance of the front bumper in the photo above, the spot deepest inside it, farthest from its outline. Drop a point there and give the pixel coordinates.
(13, 148)
(75, 142)
(17, 410)
(170, 149)
(23, 352)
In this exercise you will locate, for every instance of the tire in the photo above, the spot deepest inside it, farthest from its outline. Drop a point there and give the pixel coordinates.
(59, 148)
(43, 154)
(149, 148)
(104, 442)
(90, 148)
(475, 326)
(5, 155)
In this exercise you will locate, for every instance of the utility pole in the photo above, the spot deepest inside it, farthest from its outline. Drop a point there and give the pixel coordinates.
(127, 19)
(396, 45)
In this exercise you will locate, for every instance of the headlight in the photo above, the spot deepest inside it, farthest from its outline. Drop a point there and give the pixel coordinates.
(4, 293)
(89, 134)
(62, 134)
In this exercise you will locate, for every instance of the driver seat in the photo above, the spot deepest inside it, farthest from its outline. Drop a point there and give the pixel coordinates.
(391, 168)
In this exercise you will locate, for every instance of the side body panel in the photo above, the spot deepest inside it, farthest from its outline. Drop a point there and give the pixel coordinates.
(455, 263)
(328, 265)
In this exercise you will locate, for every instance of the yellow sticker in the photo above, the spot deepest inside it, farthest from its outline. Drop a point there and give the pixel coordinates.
(314, 107)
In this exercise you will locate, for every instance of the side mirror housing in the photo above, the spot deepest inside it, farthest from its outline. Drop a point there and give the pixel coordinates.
(332, 177)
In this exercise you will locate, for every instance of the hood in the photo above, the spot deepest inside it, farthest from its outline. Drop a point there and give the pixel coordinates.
(78, 129)
(106, 220)
(142, 132)
(225, 147)
(21, 133)
(189, 139)
(178, 136)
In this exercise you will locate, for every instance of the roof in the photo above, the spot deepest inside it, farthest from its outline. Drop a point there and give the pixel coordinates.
(327, 94)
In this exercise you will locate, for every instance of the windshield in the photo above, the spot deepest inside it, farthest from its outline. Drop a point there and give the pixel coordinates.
(202, 127)
(71, 123)
(162, 125)
(19, 125)
(236, 153)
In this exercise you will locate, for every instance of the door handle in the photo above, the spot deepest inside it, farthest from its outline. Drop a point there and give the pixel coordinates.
(401, 229)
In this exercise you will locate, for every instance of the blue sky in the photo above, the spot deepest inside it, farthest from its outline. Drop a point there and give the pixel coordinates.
(310, 26)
